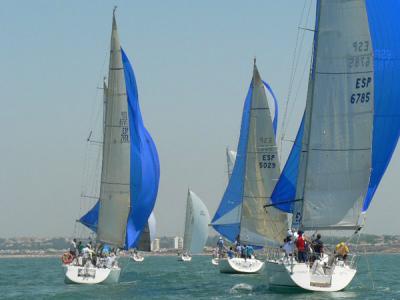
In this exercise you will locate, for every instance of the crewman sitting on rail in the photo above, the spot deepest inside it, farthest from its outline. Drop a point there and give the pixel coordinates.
(341, 250)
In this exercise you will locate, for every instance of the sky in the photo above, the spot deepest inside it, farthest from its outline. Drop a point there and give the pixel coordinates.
(193, 63)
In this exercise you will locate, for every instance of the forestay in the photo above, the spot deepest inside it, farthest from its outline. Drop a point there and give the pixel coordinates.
(339, 114)
(196, 224)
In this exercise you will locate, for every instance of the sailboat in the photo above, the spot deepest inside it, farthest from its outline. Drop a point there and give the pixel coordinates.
(240, 215)
(196, 226)
(347, 136)
(129, 177)
(148, 235)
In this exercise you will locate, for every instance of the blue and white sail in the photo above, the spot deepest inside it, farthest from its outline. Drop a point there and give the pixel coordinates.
(284, 195)
(148, 234)
(254, 176)
(196, 224)
(130, 169)
(352, 119)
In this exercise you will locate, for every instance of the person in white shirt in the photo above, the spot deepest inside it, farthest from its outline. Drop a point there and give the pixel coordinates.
(288, 247)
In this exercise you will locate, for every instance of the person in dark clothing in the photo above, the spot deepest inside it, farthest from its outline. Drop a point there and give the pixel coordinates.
(244, 250)
(318, 247)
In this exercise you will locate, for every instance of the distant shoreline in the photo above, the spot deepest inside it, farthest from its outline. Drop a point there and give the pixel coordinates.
(52, 255)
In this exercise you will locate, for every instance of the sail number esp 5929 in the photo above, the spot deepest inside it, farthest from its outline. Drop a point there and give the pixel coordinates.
(267, 161)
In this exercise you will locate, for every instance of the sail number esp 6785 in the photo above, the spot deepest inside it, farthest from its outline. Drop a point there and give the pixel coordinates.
(363, 96)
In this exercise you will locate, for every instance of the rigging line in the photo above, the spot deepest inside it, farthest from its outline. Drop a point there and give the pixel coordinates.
(303, 75)
(292, 66)
(369, 268)
(293, 72)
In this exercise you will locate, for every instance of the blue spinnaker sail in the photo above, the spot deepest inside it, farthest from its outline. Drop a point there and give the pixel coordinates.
(145, 166)
(284, 193)
(234, 192)
(275, 120)
(384, 24)
(91, 218)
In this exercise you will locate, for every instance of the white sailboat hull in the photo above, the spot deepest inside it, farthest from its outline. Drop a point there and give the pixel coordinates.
(137, 258)
(300, 275)
(240, 265)
(185, 258)
(91, 275)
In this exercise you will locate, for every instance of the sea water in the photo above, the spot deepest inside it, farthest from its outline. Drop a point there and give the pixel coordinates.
(164, 277)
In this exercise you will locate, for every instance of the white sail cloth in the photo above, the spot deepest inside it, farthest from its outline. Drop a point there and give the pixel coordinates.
(258, 227)
(114, 191)
(336, 164)
(196, 224)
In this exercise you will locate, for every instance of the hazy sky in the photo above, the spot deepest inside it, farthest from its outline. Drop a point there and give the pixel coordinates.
(193, 63)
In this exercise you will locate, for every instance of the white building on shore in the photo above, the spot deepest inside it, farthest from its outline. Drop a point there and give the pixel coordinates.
(155, 245)
(178, 242)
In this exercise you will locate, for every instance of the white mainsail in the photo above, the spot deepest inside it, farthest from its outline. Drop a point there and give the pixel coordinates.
(230, 160)
(257, 226)
(335, 166)
(196, 224)
(114, 190)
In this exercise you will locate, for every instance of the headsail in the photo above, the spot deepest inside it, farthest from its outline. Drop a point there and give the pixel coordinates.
(130, 170)
(196, 224)
(338, 120)
(254, 176)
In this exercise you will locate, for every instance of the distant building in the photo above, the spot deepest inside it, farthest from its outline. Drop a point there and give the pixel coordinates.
(155, 245)
(178, 242)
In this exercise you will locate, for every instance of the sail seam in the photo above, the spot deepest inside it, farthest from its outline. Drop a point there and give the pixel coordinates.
(116, 183)
(340, 150)
(343, 73)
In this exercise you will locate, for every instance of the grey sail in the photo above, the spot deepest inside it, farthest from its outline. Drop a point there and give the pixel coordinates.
(335, 165)
(257, 226)
(196, 224)
(114, 190)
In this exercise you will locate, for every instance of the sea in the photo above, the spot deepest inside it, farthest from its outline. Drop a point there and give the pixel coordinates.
(164, 277)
